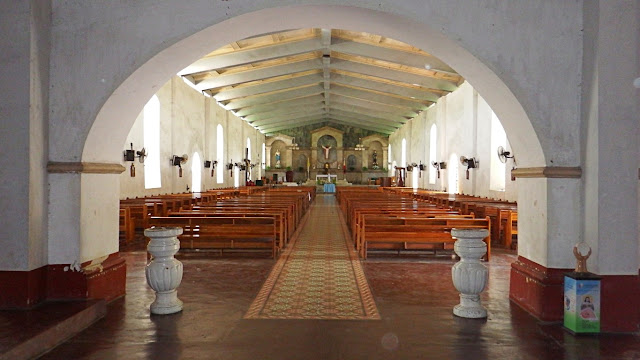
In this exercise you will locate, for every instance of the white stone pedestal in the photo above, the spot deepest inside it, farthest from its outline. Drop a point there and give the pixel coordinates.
(164, 272)
(469, 275)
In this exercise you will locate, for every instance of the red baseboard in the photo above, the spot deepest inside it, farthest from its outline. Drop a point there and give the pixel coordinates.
(540, 290)
(22, 289)
(537, 289)
(25, 289)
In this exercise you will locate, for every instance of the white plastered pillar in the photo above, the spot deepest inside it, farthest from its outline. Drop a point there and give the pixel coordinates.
(83, 212)
(612, 136)
(549, 216)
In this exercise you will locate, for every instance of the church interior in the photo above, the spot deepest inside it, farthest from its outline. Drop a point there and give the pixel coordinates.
(286, 180)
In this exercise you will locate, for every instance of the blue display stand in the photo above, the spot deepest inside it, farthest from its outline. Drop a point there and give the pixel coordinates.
(582, 303)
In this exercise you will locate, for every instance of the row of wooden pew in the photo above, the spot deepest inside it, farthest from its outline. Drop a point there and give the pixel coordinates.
(383, 219)
(136, 212)
(264, 219)
(503, 214)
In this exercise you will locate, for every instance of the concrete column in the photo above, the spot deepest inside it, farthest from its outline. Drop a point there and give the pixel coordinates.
(24, 98)
(549, 224)
(83, 231)
(611, 149)
(267, 155)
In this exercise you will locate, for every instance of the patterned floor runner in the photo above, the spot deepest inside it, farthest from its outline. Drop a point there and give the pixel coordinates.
(318, 276)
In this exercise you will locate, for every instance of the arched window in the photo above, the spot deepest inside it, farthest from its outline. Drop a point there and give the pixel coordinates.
(433, 138)
(264, 160)
(497, 168)
(151, 139)
(220, 154)
(249, 158)
(236, 176)
(389, 160)
(196, 174)
(452, 174)
(403, 156)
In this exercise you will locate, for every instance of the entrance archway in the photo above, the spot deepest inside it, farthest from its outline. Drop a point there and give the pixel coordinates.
(119, 111)
(117, 115)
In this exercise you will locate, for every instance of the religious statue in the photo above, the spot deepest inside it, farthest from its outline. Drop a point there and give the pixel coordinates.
(581, 260)
(375, 160)
(277, 159)
(326, 149)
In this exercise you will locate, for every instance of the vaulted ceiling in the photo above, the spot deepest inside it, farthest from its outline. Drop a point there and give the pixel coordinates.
(294, 78)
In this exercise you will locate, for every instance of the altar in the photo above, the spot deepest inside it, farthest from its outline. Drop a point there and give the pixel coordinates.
(327, 177)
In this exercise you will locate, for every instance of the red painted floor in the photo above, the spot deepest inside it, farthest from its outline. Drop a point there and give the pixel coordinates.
(414, 295)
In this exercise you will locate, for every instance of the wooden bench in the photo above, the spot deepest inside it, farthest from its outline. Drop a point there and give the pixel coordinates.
(385, 232)
(279, 215)
(510, 228)
(224, 232)
(127, 226)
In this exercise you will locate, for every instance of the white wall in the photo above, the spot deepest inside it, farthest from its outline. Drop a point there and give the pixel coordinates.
(463, 119)
(188, 122)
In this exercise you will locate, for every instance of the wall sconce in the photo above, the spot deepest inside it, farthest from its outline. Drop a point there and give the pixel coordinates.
(178, 161)
(472, 163)
(212, 165)
(131, 155)
(439, 166)
(410, 166)
(229, 167)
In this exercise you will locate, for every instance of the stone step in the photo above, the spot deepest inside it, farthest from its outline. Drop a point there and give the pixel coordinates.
(27, 334)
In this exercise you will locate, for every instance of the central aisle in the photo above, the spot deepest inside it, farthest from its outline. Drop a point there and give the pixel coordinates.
(319, 275)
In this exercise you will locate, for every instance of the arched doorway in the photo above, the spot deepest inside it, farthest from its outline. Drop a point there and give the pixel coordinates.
(116, 116)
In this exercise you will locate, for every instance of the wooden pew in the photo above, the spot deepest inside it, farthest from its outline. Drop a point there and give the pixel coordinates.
(127, 226)
(279, 215)
(510, 228)
(385, 232)
(224, 232)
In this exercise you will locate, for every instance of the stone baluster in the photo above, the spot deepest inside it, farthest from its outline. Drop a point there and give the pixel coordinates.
(469, 275)
(164, 272)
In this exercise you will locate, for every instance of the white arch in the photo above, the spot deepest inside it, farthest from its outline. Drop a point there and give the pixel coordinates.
(118, 113)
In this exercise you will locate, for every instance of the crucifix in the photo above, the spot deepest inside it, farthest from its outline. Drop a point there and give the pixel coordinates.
(326, 151)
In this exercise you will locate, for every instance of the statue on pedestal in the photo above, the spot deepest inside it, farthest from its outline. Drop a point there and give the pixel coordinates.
(374, 164)
(278, 159)
(581, 260)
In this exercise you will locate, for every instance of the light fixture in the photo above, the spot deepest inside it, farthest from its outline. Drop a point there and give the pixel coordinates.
(439, 166)
(472, 163)
(178, 161)
(131, 155)
(212, 165)
(359, 145)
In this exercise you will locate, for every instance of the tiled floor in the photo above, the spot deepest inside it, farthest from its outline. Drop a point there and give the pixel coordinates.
(414, 296)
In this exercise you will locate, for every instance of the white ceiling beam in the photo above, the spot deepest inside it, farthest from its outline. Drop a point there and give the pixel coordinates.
(252, 119)
(379, 98)
(243, 57)
(373, 106)
(394, 75)
(262, 88)
(236, 78)
(297, 102)
(369, 118)
(275, 97)
(409, 92)
(420, 61)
